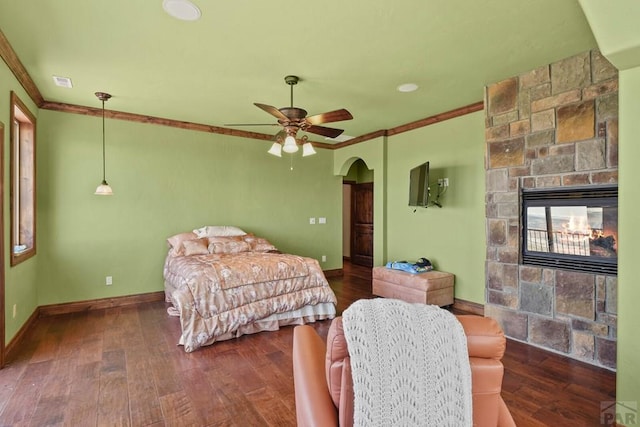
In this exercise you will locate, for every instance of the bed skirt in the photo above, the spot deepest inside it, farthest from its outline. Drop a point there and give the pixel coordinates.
(301, 316)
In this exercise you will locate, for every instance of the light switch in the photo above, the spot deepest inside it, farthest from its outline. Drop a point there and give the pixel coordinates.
(322, 220)
(312, 221)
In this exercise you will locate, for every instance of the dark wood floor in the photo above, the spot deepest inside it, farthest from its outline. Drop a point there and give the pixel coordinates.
(122, 367)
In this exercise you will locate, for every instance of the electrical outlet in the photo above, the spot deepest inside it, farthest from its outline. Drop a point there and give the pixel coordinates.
(324, 258)
(312, 221)
(322, 220)
(443, 182)
(109, 281)
(15, 310)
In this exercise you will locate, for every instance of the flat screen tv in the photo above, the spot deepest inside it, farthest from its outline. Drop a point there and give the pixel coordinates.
(419, 185)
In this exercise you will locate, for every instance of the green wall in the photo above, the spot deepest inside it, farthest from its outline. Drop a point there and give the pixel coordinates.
(165, 181)
(628, 366)
(452, 237)
(20, 281)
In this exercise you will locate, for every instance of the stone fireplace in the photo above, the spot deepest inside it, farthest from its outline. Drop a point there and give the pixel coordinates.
(552, 129)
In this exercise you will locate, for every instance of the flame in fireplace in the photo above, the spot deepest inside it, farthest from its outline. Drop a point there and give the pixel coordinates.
(580, 239)
(577, 225)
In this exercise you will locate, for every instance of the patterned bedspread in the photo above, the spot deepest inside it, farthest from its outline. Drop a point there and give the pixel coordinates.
(218, 294)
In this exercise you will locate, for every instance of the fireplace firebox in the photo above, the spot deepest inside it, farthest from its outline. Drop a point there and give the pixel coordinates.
(571, 228)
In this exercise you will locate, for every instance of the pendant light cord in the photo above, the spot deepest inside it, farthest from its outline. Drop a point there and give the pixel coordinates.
(104, 163)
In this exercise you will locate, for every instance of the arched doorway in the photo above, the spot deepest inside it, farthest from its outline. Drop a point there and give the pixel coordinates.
(358, 214)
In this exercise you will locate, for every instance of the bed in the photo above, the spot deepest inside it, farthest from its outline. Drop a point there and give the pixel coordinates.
(223, 283)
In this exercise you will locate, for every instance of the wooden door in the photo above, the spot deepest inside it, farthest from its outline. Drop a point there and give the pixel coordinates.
(2, 287)
(362, 224)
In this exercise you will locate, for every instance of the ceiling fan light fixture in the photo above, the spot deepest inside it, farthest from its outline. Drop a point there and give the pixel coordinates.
(290, 144)
(294, 119)
(276, 149)
(307, 149)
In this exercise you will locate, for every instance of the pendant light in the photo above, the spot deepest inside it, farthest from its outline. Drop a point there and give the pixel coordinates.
(103, 189)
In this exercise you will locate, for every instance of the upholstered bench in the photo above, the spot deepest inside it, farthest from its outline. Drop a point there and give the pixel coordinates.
(432, 287)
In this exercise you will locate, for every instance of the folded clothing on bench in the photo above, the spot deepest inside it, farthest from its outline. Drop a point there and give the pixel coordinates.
(408, 267)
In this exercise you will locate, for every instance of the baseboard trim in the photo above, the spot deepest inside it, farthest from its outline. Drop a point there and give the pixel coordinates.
(97, 304)
(75, 307)
(468, 306)
(338, 272)
(19, 337)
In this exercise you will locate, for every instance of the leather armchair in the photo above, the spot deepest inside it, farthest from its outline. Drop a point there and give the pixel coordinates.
(324, 389)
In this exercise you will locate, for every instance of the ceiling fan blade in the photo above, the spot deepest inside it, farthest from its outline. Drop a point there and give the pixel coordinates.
(280, 136)
(324, 131)
(252, 124)
(271, 110)
(331, 116)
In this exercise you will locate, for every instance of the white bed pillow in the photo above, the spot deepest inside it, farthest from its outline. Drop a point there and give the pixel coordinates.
(218, 230)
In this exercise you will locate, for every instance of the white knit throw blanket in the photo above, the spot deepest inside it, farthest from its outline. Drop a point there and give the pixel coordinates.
(410, 365)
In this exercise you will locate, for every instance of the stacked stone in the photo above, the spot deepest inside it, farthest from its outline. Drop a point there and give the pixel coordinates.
(552, 127)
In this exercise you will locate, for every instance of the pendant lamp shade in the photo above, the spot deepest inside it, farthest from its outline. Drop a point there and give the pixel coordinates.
(104, 189)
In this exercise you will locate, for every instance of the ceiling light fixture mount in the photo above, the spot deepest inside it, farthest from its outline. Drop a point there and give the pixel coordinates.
(104, 189)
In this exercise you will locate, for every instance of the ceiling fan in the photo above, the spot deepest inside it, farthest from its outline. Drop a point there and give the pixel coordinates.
(294, 119)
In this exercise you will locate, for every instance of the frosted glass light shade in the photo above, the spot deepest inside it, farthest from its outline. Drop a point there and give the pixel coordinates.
(307, 149)
(104, 189)
(276, 149)
(290, 145)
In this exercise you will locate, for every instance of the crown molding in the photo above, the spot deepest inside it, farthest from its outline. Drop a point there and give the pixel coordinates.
(140, 118)
(17, 68)
(19, 71)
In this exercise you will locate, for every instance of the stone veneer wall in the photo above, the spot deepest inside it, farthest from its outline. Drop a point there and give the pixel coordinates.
(554, 126)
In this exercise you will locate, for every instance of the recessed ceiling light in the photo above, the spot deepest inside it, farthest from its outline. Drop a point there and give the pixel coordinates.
(63, 82)
(408, 87)
(182, 9)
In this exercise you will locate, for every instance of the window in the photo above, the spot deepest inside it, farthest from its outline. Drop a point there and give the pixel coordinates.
(23, 182)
